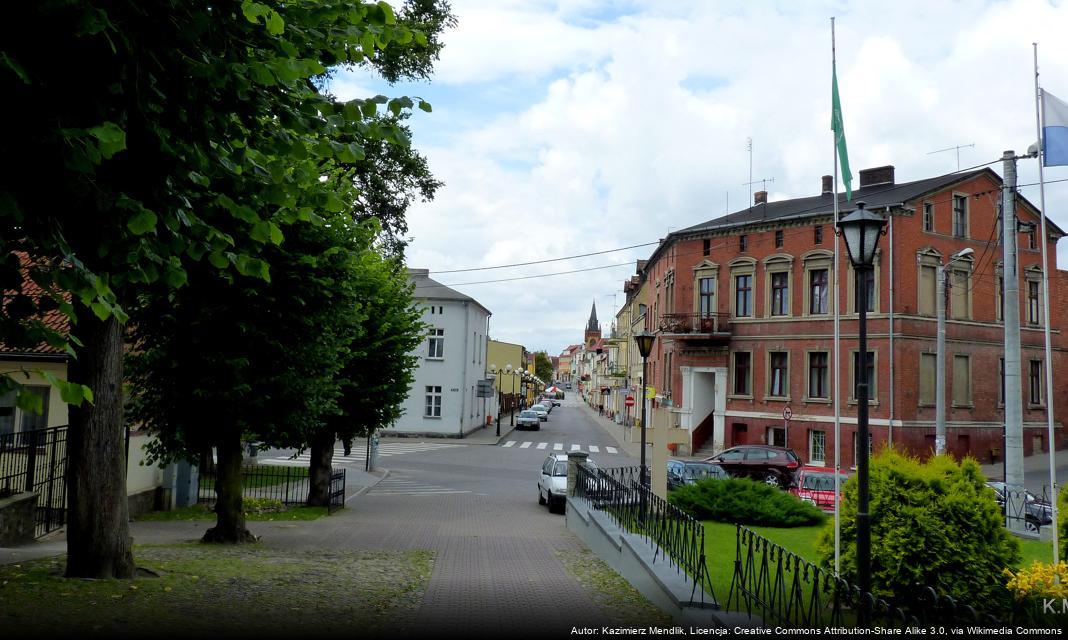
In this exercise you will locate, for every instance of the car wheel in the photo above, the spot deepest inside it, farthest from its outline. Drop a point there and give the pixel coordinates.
(541, 498)
(1030, 526)
(773, 479)
(537, 428)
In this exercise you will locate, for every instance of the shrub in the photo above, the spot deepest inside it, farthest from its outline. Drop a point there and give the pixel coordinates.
(744, 501)
(934, 525)
(1062, 519)
(262, 505)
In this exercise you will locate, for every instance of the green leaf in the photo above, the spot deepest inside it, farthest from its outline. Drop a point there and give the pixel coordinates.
(142, 223)
(368, 44)
(275, 24)
(110, 138)
(218, 260)
(101, 310)
(261, 231)
(253, 10)
(388, 11)
(199, 179)
(425, 106)
(175, 277)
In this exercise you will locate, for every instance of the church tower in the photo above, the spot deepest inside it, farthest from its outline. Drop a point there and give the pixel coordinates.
(593, 328)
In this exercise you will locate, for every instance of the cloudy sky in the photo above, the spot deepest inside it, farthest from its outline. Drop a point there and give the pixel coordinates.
(570, 127)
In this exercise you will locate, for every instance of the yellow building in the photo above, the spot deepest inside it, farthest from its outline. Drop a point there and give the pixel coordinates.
(499, 356)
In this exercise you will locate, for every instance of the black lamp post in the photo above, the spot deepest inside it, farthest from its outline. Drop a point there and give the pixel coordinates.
(861, 230)
(645, 347)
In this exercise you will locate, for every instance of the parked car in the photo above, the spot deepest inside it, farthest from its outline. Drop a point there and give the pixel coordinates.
(774, 465)
(567, 385)
(1037, 512)
(528, 418)
(552, 485)
(680, 472)
(543, 413)
(815, 485)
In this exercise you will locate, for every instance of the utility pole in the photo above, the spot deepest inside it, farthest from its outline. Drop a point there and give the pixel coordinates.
(941, 299)
(1014, 471)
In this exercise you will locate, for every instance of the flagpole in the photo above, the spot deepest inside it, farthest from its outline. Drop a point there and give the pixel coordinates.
(834, 359)
(1045, 304)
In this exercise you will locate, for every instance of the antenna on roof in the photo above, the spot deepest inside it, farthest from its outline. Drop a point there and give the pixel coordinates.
(749, 147)
(957, 149)
(763, 189)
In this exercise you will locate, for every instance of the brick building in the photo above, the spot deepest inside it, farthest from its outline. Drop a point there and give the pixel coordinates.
(742, 307)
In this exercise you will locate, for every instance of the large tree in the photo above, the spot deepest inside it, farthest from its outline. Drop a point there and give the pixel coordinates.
(152, 135)
(543, 367)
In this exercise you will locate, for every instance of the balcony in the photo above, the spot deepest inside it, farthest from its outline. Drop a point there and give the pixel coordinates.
(695, 326)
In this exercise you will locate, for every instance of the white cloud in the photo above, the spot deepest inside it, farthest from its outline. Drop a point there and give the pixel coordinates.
(638, 114)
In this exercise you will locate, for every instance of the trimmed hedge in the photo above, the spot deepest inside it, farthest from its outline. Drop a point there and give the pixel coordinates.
(933, 524)
(744, 501)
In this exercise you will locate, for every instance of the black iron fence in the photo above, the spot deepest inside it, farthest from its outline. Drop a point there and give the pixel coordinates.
(686, 323)
(677, 536)
(781, 589)
(37, 461)
(289, 485)
(1024, 510)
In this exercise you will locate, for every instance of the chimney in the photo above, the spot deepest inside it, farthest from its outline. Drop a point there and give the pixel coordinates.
(760, 197)
(876, 176)
(828, 185)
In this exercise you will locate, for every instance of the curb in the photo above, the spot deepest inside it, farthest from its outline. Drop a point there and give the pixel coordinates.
(365, 489)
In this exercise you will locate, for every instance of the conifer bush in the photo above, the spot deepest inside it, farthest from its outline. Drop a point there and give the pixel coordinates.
(744, 501)
(933, 524)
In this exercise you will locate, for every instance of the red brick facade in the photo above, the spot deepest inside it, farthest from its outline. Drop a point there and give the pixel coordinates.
(775, 275)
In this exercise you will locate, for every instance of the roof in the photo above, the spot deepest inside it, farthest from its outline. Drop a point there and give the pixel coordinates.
(429, 289)
(54, 319)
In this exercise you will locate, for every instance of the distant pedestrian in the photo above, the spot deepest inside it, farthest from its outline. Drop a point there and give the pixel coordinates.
(347, 442)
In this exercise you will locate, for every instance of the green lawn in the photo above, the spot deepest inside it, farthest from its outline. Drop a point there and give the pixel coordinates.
(204, 512)
(260, 476)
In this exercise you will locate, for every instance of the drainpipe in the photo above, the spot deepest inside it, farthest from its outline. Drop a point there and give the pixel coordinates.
(890, 320)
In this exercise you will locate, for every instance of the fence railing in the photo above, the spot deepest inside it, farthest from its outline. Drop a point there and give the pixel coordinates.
(782, 589)
(686, 323)
(289, 485)
(1023, 509)
(678, 537)
(37, 461)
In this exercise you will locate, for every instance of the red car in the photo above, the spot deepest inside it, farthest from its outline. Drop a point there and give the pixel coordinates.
(815, 485)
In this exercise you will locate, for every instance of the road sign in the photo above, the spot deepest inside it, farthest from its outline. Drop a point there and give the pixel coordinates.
(650, 393)
(629, 401)
(787, 413)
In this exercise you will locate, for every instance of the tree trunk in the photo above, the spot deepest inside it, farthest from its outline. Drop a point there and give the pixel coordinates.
(322, 452)
(229, 486)
(98, 530)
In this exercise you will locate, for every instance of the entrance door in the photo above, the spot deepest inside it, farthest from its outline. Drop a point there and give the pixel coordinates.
(739, 434)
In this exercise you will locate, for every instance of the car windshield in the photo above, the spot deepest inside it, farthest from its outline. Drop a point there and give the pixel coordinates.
(699, 470)
(821, 481)
(538, 407)
(560, 468)
(528, 414)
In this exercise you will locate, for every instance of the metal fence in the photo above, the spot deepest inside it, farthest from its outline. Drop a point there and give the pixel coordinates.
(780, 588)
(289, 485)
(37, 461)
(1024, 510)
(677, 536)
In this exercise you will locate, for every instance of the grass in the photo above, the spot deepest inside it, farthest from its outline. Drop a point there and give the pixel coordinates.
(620, 601)
(262, 476)
(205, 512)
(195, 590)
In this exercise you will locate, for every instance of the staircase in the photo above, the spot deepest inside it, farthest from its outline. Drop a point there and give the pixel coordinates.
(702, 437)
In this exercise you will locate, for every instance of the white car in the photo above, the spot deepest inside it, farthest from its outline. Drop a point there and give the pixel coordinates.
(552, 485)
(528, 419)
(543, 413)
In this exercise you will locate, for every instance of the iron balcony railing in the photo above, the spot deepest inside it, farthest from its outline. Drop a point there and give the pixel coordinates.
(709, 324)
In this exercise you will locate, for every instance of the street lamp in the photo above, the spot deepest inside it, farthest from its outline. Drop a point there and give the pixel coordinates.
(861, 230)
(500, 392)
(645, 347)
(940, 368)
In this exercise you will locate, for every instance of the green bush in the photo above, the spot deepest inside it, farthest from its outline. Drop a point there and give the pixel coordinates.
(744, 501)
(254, 506)
(933, 524)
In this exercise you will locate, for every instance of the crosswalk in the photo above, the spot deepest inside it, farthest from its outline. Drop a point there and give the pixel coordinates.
(396, 485)
(358, 454)
(558, 446)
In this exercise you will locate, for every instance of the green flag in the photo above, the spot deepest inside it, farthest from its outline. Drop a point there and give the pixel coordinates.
(839, 133)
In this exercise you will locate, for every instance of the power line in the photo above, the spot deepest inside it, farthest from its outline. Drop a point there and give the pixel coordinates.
(525, 264)
(540, 275)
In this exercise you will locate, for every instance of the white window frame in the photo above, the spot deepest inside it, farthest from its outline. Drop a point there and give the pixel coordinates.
(436, 337)
(817, 441)
(432, 402)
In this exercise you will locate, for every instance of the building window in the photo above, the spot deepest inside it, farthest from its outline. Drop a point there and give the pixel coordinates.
(707, 288)
(742, 372)
(1000, 298)
(962, 381)
(437, 344)
(1034, 379)
(773, 436)
(818, 296)
(743, 242)
(864, 279)
(778, 238)
(780, 293)
(928, 216)
(1032, 238)
(960, 294)
(1001, 390)
(778, 380)
(743, 295)
(870, 375)
(928, 362)
(927, 291)
(960, 216)
(1033, 313)
(817, 375)
(817, 447)
(817, 234)
(706, 248)
(433, 402)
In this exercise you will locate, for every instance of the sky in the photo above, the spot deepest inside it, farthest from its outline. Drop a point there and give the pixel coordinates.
(575, 126)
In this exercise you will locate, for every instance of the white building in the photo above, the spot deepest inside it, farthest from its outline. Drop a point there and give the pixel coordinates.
(443, 400)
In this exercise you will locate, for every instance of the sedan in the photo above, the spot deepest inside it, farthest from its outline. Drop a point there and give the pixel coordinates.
(541, 411)
(815, 485)
(774, 465)
(681, 472)
(1037, 512)
(529, 419)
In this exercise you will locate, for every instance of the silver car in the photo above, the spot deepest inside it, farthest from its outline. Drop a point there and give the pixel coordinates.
(543, 413)
(528, 419)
